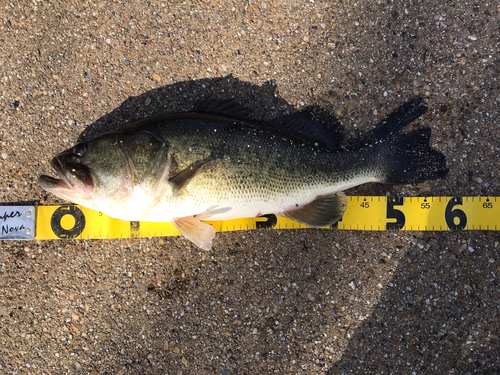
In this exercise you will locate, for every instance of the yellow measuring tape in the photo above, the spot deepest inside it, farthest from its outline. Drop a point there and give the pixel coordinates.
(363, 213)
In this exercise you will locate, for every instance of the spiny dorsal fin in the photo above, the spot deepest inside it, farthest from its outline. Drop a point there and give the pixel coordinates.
(230, 108)
(324, 210)
(314, 125)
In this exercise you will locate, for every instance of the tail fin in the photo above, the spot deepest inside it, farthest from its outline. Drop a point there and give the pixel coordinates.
(409, 157)
(397, 120)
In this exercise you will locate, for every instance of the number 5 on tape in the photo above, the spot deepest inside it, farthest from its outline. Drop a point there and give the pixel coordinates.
(422, 213)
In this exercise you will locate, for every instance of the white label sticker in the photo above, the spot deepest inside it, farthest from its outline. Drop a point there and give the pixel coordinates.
(17, 222)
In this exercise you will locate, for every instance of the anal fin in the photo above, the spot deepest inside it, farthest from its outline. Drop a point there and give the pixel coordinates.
(196, 231)
(324, 210)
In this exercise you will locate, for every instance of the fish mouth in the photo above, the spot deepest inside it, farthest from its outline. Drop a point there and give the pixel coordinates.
(77, 179)
(50, 183)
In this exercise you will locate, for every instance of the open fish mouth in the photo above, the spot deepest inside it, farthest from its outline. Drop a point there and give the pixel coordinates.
(77, 178)
(49, 182)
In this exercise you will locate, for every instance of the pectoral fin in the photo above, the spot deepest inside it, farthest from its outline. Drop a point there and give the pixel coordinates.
(324, 210)
(181, 179)
(191, 227)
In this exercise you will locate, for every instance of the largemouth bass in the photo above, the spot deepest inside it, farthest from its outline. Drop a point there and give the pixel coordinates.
(214, 164)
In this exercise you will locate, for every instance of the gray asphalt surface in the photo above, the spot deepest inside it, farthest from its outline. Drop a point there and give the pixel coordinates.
(282, 302)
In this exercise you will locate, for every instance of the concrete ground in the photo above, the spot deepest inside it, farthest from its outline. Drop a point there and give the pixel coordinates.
(282, 302)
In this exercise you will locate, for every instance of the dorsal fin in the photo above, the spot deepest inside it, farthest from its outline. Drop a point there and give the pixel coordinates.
(231, 108)
(314, 125)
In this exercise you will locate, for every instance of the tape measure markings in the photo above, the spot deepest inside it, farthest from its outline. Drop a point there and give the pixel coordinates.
(371, 213)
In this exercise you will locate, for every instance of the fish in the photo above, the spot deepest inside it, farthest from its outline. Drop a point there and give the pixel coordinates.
(215, 163)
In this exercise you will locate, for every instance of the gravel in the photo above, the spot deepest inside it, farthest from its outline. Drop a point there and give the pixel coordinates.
(302, 301)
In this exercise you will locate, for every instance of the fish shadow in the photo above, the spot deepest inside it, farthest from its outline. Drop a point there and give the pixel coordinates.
(264, 102)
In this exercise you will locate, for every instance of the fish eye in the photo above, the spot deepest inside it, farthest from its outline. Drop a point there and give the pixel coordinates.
(80, 149)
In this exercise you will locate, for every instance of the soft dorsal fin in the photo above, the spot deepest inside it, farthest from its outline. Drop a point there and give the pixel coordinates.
(314, 125)
(230, 108)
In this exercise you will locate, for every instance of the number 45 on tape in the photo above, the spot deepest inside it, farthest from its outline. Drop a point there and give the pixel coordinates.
(422, 213)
